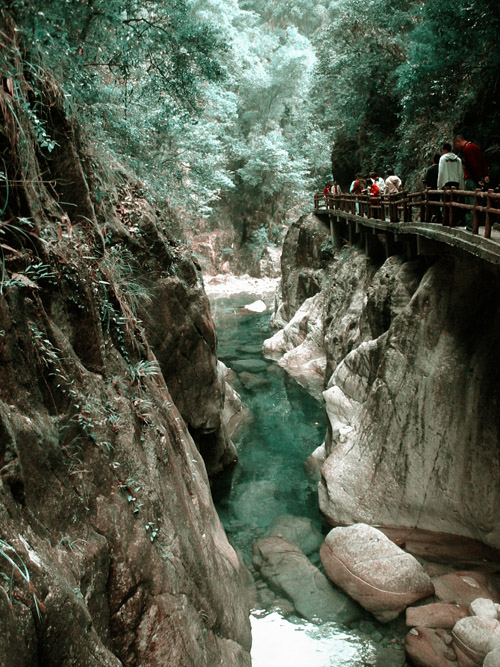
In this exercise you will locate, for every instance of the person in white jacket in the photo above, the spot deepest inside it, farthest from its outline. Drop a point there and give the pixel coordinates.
(450, 172)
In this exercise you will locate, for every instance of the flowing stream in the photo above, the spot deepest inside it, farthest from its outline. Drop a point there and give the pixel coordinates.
(287, 424)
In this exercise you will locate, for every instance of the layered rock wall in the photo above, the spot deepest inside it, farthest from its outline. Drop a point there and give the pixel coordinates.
(111, 551)
(411, 392)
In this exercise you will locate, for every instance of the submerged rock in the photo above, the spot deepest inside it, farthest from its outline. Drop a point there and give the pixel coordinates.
(298, 530)
(289, 571)
(384, 579)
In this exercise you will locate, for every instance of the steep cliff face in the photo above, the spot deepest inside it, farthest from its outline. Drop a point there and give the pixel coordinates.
(111, 551)
(412, 394)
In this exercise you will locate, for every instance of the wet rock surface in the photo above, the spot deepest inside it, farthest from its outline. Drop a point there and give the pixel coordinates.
(286, 568)
(299, 531)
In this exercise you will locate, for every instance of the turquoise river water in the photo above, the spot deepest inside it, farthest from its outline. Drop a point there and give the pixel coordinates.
(270, 480)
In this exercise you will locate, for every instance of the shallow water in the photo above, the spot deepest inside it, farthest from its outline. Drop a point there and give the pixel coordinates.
(287, 425)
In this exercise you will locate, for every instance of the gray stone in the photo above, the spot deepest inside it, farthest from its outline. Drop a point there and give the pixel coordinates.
(299, 531)
(288, 570)
(492, 658)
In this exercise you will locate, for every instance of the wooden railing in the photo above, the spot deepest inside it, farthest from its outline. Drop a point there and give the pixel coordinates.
(451, 204)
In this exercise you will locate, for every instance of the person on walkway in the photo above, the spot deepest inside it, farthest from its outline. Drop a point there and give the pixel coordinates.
(430, 181)
(450, 172)
(374, 194)
(358, 185)
(379, 181)
(393, 183)
(475, 170)
(327, 190)
(451, 175)
(336, 189)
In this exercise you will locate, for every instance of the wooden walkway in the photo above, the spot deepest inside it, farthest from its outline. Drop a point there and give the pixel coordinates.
(402, 222)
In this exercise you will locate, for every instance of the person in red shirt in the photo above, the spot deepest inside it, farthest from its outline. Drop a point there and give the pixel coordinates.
(374, 189)
(475, 170)
(374, 192)
(326, 191)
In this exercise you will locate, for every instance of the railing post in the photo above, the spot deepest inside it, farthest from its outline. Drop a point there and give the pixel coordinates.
(393, 209)
(425, 209)
(446, 209)
(405, 206)
(487, 224)
(475, 215)
(451, 216)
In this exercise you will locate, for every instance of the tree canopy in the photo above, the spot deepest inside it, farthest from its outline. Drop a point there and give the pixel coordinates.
(238, 110)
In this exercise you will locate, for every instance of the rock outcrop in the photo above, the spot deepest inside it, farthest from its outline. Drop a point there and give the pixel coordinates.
(410, 384)
(111, 551)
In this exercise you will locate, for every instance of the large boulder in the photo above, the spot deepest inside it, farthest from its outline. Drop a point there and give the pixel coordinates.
(374, 571)
(290, 572)
(299, 346)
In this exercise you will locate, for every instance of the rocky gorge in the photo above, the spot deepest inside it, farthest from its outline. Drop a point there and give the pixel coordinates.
(403, 352)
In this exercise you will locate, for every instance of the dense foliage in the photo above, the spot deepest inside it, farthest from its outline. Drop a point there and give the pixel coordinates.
(399, 78)
(233, 109)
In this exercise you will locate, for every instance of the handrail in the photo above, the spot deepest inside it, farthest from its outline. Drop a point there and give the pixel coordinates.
(400, 207)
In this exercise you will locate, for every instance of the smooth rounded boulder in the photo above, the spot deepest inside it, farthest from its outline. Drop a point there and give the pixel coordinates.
(493, 658)
(484, 607)
(364, 563)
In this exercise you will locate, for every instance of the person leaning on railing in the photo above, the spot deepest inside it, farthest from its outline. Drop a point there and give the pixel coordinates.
(393, 183)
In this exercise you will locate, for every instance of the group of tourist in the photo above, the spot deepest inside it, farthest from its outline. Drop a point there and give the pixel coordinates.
(373, 185)
(448, 170)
